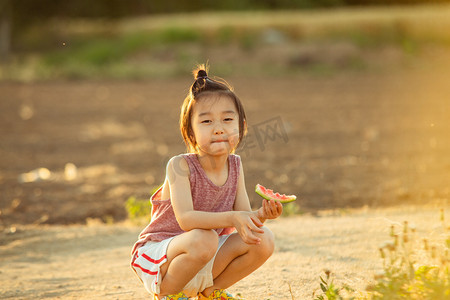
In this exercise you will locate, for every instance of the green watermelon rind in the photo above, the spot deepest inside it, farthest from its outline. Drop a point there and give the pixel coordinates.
(259, 192)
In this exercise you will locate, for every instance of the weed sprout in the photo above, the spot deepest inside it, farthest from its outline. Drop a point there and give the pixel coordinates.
(409, 270)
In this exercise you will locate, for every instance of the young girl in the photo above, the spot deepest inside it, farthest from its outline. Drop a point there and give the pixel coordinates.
(203, 236)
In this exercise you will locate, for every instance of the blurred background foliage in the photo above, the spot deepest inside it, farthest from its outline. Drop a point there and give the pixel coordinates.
(27, 13)
(45, 39)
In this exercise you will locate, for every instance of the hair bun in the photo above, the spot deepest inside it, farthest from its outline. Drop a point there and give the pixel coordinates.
(201, 73)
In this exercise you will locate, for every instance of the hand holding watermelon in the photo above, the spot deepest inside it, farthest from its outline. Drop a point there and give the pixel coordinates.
(272, 208)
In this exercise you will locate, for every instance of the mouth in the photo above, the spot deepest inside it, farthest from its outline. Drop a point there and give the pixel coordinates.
(220, 141)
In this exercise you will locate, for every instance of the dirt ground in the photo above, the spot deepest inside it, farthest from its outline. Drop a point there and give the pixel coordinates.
(378, 137)
(355, 139)
(92, 262)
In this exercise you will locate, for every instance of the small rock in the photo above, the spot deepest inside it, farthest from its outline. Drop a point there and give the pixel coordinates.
(70, 172)
(35, 175)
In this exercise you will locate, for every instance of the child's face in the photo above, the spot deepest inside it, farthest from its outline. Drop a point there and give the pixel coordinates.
(215, 123)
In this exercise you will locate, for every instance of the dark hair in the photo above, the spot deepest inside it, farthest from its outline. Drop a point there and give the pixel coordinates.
(203, 86)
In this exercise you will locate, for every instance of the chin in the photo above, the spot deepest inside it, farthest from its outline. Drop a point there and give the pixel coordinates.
(221, 151)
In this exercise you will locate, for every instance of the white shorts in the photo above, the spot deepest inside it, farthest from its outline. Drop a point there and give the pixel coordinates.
(149, 258)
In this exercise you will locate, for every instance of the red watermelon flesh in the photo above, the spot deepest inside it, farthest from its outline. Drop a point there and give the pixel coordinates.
(268, 194)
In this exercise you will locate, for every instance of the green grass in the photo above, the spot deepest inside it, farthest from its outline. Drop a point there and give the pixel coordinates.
(291, 209)
(413, 268)
(330, 291)
(170, 45)
(139, 210)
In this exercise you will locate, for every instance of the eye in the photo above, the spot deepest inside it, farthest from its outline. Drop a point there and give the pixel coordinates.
(206, 121)
(228, 119)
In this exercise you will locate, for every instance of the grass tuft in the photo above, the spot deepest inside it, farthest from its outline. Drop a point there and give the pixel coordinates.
(413, 268)
(138, 210)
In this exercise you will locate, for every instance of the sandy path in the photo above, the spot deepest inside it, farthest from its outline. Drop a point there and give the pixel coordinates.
(90, 262)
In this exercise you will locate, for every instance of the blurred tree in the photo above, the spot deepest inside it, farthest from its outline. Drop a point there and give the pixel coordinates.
(29, 11)
(391, 2)
(5, 29)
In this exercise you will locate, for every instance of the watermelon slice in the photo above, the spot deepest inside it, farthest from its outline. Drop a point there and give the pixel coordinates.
(268, 194)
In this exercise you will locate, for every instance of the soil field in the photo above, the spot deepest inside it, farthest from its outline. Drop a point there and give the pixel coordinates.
(74, 152)
(92, 262)
(345, 140)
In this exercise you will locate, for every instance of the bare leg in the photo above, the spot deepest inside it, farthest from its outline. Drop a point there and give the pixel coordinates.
(236, 259)
(187, 254)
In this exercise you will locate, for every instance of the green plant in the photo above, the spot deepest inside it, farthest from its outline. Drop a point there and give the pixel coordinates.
(412, 271)
(137, 208)
(330, 291)
(291, 209)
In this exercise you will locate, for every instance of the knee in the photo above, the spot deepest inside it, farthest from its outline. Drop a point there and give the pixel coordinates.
(266, 247)
(203, 244)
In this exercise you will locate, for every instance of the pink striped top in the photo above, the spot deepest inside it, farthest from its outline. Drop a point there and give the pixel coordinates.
(206, 196)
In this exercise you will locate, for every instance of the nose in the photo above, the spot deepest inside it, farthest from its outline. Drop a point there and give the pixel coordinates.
(218, 130)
